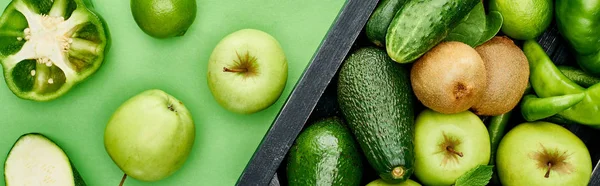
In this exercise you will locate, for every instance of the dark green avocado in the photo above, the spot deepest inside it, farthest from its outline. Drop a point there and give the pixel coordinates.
(325, 153)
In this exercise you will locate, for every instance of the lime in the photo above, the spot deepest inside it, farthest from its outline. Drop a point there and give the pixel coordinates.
(524, 19)
(164, 18)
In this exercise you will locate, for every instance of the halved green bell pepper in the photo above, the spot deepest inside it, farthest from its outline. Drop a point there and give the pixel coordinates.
(579, 23)
(48, 46)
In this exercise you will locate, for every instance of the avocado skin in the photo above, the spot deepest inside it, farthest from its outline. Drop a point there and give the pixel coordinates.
(325, 153)
(376, 98)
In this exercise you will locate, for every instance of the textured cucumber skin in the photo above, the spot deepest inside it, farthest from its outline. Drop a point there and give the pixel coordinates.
(422, 24)
(78, 180)
(579, 76)
(325, 153)
(378, 23)
(375, 97)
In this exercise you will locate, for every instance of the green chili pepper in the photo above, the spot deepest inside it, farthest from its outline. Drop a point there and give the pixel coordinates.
(534, 108)
(579, 23)
(545, 78)
(496, 129)
(48, 46)
(558, 119)
(548, 81)
(528, 88)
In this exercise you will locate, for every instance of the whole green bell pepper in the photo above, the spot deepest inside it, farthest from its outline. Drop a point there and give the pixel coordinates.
(548, 81)
(579, 23)
(48, 46)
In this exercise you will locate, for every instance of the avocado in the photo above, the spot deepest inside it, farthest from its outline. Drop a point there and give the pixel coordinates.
(325, 153)
(376, 98)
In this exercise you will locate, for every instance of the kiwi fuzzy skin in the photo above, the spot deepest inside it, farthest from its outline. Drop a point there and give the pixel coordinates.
(450, 78)
(507, 76)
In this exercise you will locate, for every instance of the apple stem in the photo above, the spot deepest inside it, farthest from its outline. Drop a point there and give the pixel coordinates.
(548, 172)
(123, 179)
(449, 148)
(225, 69)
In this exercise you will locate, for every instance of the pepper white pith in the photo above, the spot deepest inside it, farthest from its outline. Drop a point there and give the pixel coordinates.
(49, 39)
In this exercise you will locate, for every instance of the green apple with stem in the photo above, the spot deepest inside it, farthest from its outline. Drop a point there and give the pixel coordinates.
(542, 153)
(247, 71)
(150, 136)
(449, 145)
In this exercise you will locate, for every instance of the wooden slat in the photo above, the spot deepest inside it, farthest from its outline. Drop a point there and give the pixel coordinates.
(298, 108)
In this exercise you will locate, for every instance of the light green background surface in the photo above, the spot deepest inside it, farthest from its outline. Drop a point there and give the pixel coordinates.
(136, 62)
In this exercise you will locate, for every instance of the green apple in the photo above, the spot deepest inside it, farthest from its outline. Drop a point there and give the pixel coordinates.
(247, 71)
(150, 136)
(542, 153)
(448, 145)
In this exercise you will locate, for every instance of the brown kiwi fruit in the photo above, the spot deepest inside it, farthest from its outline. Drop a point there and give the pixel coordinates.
(449, 78)
(508, 74)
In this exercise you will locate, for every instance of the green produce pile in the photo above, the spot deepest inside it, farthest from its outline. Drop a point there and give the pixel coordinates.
(412, 102)
(49, 46)
(454, 92)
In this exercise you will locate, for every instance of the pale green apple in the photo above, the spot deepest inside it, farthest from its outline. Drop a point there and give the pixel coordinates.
(543, 153)
(247, 71)
(150, 136)
(448, 145)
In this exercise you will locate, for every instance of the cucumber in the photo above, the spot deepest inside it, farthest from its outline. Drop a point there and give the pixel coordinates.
(380, 182)
(579, 76)
(378, 23)
(422, 24)
(376, 98)
(36, 160)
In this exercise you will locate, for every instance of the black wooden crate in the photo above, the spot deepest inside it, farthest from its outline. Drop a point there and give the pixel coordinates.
(315, 98)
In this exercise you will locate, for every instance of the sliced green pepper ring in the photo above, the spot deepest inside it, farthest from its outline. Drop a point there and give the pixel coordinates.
(48, 46)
